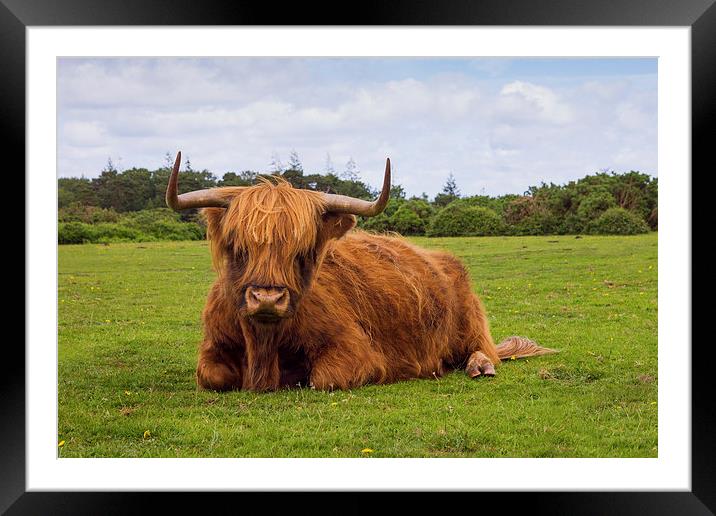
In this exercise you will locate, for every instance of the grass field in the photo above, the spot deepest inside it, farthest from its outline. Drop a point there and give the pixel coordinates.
(129, 325)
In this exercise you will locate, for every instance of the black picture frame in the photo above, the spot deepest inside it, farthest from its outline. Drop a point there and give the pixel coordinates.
(700, 15)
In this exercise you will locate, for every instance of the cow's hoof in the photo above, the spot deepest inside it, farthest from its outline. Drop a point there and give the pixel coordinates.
(479, 365)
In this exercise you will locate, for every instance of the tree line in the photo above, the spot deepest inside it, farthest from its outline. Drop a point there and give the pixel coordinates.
(129, 205)
(139, 188)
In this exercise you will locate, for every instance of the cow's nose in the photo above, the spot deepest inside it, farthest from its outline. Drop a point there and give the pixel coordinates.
(268, 297)
(267, 302)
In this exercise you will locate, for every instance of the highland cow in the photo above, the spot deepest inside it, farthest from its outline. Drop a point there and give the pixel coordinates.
(304, 299)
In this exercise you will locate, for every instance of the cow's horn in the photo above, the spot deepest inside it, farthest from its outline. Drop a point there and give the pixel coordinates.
(208, 198)
(344, 204)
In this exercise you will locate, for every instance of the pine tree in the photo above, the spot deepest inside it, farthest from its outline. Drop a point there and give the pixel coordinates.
(351, 173)
(450, 187)
(329, 165)
(294, 163)
(449, 194)
(276, 165)
(109, 167)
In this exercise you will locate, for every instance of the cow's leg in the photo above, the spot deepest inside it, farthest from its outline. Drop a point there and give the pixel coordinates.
(346, 365)
(262, 369)
(479, 365)
(473, 348)
(471, 331)
(215, 372)
(477, 331)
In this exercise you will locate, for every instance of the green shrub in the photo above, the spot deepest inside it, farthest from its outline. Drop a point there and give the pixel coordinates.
(163, 224)
(378, 224)
(572, 225)
(518, 209)
(421, 208)
(408, 217)
(496, 204)
(383, 222)
(393, 205)
(140, 226)
(74, 233)
(108, 232)
(145, 218)
(460, 219)
(540, 222)
(406, 222)
(167, 230)
(527, 216)
(594, 204)
(77, 212)
(618, 221)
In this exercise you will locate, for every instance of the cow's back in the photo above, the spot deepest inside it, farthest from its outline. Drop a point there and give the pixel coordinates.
(409, 302)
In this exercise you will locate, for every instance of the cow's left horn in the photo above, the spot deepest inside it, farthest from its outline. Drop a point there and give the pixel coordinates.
(344, 204)
(209, 198)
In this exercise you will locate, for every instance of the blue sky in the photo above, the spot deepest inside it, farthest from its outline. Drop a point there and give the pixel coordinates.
(423, 68)
(498, 125)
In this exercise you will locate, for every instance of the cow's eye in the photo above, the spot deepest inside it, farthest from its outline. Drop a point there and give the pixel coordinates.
(239, 257)
(301, 262)
(304, 264)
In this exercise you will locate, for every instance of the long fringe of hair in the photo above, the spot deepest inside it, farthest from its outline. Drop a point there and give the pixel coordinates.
(270, 217)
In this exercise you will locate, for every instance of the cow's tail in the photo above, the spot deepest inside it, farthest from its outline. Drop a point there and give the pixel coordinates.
(520, 347)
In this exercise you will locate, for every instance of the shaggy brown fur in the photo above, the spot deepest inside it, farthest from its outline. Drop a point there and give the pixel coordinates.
(364, 308)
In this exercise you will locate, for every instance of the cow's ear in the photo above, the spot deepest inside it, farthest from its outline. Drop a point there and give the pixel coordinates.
(335, 225)
(214, 218)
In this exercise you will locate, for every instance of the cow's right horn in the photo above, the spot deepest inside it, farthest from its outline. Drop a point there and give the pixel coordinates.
(209, 198)
(344, 204)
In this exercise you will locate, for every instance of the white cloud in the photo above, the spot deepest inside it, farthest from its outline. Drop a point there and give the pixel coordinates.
(233, 114)
(606, 90)
(527, 101)
(80, 133)
(632, 116)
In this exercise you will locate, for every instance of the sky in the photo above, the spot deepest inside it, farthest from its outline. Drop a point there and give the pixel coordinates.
(498, 125)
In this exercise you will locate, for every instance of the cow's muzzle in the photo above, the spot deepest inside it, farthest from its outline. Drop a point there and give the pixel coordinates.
(267, 304)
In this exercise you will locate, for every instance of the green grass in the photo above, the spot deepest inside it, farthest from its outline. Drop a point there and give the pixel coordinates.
(129, 325)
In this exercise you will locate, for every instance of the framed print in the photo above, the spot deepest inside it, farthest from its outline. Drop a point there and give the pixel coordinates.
(109, 404)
